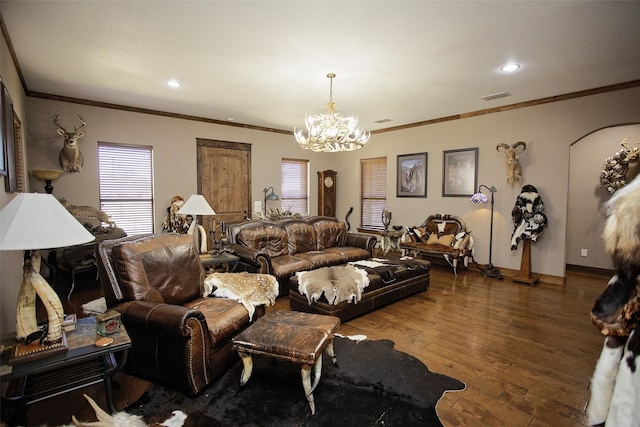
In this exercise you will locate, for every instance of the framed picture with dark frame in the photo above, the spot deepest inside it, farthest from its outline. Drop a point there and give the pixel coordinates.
(9, 161)
(411, 180)
(459, 172)
(3, 142)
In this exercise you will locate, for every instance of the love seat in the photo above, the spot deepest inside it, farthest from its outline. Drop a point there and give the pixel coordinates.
(441, 235)
(178, 336)
(282, 248)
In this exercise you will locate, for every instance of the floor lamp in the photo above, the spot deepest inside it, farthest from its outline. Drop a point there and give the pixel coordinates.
(269, 194)
(30, 222)
(488, 270)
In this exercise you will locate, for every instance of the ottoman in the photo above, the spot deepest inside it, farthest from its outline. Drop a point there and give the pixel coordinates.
(397, 278)
(296, 337)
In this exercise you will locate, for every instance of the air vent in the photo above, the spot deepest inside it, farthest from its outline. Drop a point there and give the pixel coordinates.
(495, 96)
(382, 120)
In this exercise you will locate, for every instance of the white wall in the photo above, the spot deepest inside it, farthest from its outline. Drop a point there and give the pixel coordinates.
(549, 130)
(11, 261)
(586, 215)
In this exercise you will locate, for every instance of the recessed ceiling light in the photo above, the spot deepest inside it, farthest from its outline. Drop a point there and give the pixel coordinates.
(174, 83)
(509, 68)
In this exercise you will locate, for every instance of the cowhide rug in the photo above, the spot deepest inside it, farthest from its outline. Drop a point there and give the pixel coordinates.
(373, 385)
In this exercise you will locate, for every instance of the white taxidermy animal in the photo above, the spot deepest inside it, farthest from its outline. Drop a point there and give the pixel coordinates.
(514, 170)
(87, 212)
(70, 157)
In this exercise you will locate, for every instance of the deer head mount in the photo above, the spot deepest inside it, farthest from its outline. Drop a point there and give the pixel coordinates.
(511, 152)
(70, 157)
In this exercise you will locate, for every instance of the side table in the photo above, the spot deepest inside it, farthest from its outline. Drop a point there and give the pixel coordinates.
(390, 240)
(219, 262)
(81, 365)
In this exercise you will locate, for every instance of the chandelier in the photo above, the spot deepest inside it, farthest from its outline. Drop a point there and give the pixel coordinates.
(331, 132)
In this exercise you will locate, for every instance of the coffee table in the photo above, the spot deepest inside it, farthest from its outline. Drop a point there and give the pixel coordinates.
(293, 336)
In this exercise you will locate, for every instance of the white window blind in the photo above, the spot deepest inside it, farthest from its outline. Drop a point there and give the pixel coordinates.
(126, 185)
(373, 192)
(294, 186)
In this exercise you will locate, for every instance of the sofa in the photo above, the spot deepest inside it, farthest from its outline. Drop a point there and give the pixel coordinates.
(178, 337)
(441, 235)
(283, 247)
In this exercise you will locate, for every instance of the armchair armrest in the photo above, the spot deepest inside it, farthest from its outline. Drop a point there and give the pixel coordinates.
(163, 319)
(169, 343)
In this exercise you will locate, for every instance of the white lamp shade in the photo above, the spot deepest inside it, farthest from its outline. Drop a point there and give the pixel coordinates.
(39, 221)
(196, 205)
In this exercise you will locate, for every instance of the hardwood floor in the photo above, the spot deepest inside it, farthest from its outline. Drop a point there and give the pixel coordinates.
(525, 353)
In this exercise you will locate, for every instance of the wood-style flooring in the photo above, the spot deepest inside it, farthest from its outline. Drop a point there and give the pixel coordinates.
(525, 353)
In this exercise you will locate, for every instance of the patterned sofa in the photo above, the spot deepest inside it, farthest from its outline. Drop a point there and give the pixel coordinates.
(440, 235)
(282, 248)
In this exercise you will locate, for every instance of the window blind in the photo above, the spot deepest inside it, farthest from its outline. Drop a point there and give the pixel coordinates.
(126, 185)
(294, 186)
(373, 192)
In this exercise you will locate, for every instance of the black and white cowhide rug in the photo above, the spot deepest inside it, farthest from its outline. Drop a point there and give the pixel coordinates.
(373, 385)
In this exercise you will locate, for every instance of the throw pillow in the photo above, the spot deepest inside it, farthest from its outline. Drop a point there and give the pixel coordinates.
(444, 239)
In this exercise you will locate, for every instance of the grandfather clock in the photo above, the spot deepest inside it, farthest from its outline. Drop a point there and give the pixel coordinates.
(327, 193)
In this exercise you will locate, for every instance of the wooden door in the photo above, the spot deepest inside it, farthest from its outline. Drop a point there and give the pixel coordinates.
(224, 179)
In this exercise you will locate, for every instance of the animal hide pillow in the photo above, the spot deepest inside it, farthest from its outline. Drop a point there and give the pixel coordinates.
(444, 239)
(339, 283)
(419, 234)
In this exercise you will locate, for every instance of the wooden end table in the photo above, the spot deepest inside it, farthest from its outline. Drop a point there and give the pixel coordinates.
(81, 365)
(293, 336)
(223, 261)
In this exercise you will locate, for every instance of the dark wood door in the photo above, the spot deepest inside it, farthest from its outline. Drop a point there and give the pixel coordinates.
(224, 179)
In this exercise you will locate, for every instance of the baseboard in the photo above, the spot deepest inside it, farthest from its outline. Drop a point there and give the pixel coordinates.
(590, 270)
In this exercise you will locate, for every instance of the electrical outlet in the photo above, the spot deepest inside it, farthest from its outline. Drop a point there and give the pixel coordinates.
(257, 206)
(583, 252)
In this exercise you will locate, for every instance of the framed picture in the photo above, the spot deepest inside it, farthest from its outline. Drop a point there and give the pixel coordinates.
(412, 175)
(459, 172)
(9, 161)
(3, 142)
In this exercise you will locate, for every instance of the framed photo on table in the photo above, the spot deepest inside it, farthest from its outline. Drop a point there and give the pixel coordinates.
(459, 172)
(411, 180)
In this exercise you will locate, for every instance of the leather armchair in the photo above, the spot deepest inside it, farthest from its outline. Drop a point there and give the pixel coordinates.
(178, 336)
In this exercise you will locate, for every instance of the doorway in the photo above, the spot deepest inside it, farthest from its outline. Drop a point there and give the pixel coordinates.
(224, 179)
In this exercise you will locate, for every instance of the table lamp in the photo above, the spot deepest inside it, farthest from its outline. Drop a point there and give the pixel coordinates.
(48, 176)
(197, 205)
(33, 221)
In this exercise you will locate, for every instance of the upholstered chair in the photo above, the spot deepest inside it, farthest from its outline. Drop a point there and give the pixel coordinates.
(179, 337)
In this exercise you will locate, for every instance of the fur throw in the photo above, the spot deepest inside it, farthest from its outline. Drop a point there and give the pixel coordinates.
(528, 216)
(339, 283)
(247, 288)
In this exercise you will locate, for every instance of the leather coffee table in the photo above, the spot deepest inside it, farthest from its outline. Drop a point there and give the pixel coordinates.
(293, 336)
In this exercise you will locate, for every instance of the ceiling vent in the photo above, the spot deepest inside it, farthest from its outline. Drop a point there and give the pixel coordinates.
(495, 96)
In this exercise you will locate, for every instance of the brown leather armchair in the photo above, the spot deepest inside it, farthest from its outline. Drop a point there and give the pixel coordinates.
(178, 336)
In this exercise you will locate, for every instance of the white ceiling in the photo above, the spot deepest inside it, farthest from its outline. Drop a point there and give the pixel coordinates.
(264, 63)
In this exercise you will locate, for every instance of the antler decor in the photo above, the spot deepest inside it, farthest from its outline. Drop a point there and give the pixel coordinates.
(514, 171)
(621, 168)
(71, 158)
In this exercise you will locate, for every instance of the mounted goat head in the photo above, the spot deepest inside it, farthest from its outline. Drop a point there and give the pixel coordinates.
(514, 171)
(70, 157)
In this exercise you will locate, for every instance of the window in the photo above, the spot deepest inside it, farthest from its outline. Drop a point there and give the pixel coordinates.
(126, 186)
(294, 186)
(373, 192)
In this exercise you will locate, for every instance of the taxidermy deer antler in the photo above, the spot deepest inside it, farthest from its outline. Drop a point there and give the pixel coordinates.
(514, 170)
(70, 157)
